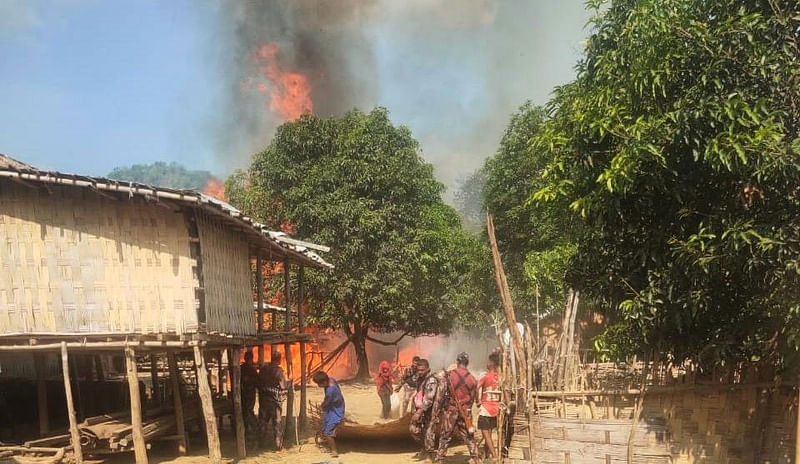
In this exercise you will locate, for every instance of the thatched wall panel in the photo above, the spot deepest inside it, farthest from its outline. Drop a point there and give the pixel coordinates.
(74, 261)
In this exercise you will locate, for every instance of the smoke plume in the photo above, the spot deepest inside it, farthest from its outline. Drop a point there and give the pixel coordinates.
(451, 70)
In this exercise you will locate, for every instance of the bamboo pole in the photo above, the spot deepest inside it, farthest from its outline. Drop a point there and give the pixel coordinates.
(139, 447)
(207, 402)
(301, 325)
(41, 395)
(505, 295)
(75, 436)
(233, 360)
(177, 403)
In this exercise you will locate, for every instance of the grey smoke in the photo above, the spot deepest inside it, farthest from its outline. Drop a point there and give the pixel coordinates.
(451, 70)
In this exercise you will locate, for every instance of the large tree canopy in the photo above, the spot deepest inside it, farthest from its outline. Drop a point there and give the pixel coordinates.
(678, 145)
(359, 184)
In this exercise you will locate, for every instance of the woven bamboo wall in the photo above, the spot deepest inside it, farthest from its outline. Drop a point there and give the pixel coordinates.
(226, 279)
(74, 261)
(719, 425)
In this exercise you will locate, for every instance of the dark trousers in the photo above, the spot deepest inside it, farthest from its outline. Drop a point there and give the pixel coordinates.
(386, 404)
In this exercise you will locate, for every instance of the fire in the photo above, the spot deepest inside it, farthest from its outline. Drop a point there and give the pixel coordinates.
(289, 92)
(214, 188)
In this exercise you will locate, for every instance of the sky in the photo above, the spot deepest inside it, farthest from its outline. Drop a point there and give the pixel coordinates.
(89, 85)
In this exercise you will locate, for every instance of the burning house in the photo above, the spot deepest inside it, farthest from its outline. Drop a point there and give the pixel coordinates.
(94, 270)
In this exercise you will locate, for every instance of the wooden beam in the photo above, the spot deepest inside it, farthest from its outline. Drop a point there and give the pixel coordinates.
(154, 379)
(139, 447)
(177, 403)
(41, 395)
(207, 402)
(301, 326)
(236, 383)
(289, 427)
(75, 436)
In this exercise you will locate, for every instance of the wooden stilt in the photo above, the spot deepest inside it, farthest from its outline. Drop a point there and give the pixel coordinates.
(289, 428)
(154, 379)
(41, 395)
(260, 302)
(236, 382)
(287, 325)
(177, 402)
(207, 402)
(797, 427)
(78, 400)
(139, 447)
(301, 326)
(98, 369)
(75, 436)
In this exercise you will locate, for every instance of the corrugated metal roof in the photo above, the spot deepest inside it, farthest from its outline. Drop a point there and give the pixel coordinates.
(301, 251)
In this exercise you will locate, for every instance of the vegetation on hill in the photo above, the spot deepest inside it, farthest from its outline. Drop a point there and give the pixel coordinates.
(161, 174)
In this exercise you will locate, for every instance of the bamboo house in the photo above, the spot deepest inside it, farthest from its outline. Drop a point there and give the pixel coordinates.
(92, 266)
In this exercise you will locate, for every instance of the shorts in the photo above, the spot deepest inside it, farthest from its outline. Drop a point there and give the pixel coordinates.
(329, 425)
(487, 423)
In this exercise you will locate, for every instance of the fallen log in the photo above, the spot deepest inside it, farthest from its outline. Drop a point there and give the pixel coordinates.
(351, 430)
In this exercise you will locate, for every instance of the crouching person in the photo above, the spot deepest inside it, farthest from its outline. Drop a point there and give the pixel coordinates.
(426, 411)
(332, 410)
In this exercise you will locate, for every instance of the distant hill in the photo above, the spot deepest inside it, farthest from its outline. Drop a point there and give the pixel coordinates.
(161, 174)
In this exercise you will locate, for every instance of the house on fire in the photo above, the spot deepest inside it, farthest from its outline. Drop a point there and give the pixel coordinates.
(91, 265)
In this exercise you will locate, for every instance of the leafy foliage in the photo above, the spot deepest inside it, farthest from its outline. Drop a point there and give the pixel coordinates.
(676, 145)
(161, 174)
(359, 184)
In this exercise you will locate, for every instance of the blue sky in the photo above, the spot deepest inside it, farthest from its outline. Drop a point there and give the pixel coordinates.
(88, 85)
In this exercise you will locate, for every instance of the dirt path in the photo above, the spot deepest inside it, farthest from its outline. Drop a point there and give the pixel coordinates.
(363, 406)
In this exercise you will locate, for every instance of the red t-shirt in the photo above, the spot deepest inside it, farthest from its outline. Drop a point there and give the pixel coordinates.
(490, 394)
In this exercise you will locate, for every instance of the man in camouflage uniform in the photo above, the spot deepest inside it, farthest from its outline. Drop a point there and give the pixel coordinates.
(409, 384)
(464, 388)
(271, 389)
(426, 410)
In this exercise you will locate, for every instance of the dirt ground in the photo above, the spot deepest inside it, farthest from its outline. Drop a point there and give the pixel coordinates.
(362, 405)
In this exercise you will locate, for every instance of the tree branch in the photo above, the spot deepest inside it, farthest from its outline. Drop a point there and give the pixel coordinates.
(384, 343)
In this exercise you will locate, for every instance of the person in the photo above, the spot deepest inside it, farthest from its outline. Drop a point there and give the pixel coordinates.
(460, 388)
(409, 383)
(424, 420)
(332, 410)
(249, 386)
(271, 388)
(489, 395)
(384, 381)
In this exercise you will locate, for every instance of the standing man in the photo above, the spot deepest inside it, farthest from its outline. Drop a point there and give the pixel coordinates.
(409, 383)
(489, 403)
(249, 385)
(461, 388)
(426, 411)
(332, 410)
(271, 388)
(383, 381)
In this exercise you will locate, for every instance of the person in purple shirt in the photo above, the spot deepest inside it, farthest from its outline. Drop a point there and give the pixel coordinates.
(332, 410)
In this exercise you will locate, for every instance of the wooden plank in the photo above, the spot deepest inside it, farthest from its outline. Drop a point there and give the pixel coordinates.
(41, 395)
(139, 447)
(207, 402)
(75, 436)
(301, 325)
(234, 354)
(177, 402)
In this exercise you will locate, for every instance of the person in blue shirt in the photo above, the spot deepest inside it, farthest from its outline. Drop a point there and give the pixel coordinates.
(332, 409)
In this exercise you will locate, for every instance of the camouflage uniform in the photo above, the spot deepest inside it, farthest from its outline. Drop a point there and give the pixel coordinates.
(270, 398)
(424, 429)
(465, 387)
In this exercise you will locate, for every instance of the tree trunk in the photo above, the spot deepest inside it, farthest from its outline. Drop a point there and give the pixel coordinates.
(359, 339)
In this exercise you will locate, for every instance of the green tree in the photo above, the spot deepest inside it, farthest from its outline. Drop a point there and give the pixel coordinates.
(161, 174)
(359, 184)
(677, 144)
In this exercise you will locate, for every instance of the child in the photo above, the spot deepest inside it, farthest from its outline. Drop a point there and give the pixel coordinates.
(332, 410)
(384, 383)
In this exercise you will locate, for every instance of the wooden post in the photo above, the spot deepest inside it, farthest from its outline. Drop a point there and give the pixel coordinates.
(301, 326)
(289, 428)
(78, 399)
(75, 436)
(177, 403)
(207, 401)
(139, 447)
(797, 427)
(260, 302)
(41, 394)
(286, 300)
(236, 382)
(154, 379)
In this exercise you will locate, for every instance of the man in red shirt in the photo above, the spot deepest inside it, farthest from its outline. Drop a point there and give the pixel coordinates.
(489, 404)
(463, 386)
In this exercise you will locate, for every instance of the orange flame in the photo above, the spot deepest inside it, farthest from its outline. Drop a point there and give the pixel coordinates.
(289, 92)
(214, 188)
